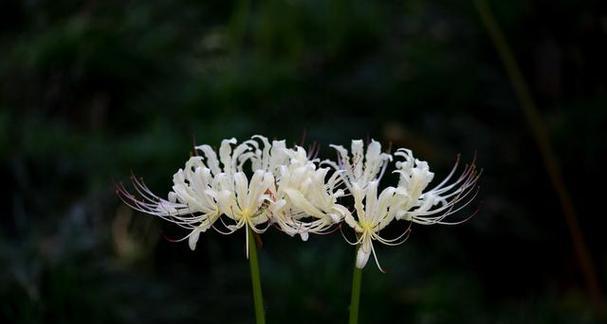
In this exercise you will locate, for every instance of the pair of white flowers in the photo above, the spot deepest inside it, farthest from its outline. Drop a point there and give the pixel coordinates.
(259, 183)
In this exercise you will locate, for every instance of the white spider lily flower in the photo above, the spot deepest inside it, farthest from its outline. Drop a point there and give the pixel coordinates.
(192, 204)
(302, 202)
(362, 167)
(373, 213)
(238, 198)
(308, 201)
(429, 207)
(244, 202)
(291, 168)
(207, 188)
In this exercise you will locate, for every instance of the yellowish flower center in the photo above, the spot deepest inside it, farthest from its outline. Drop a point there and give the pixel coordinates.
(366, 226)
(246, 214)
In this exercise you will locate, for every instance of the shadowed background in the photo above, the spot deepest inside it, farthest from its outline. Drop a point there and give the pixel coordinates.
(92, 90)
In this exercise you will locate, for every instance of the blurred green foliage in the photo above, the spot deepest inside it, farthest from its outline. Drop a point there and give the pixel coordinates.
(90, 90)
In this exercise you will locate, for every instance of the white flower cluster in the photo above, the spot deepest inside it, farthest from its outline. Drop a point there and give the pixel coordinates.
(259, 183)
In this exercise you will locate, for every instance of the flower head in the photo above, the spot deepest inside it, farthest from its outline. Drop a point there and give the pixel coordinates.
(309, 197)
(209, 187)
(409, 200)
(192, 203)
(373, 214)
(285, 187)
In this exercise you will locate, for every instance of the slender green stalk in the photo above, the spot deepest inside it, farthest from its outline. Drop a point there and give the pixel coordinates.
(355, 301)
(260, 317)
(542, 139)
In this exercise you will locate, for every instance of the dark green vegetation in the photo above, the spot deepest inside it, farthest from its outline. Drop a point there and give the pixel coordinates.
(92, 90)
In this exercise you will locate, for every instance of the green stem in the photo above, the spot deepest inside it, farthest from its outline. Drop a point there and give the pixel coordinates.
(260, 317)
(355, 301)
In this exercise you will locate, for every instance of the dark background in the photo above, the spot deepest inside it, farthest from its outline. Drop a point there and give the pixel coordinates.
(92, 90)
